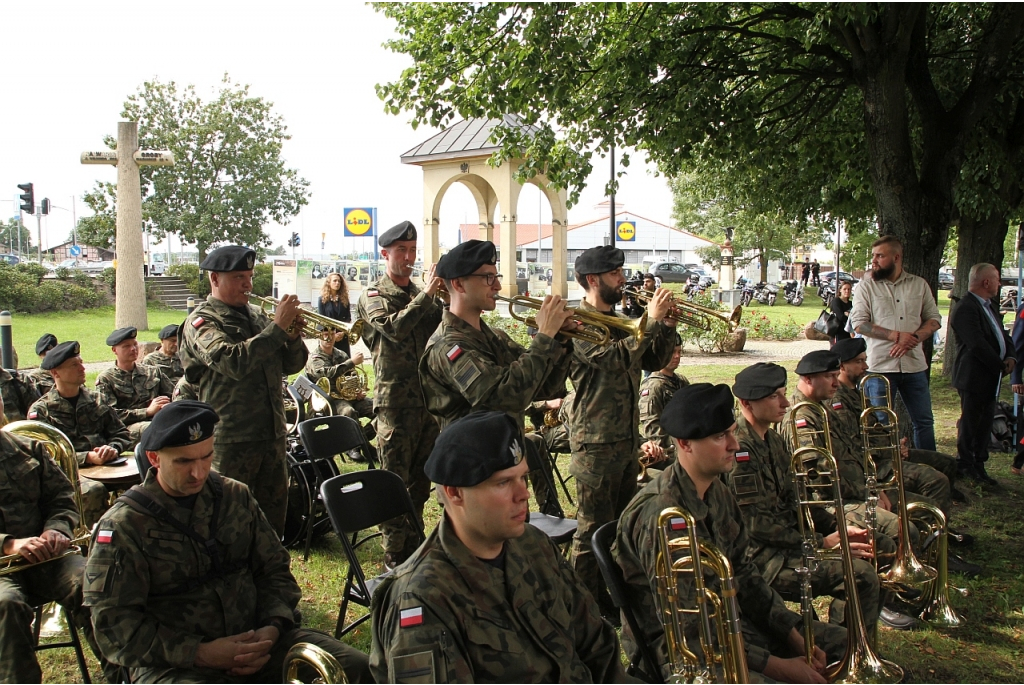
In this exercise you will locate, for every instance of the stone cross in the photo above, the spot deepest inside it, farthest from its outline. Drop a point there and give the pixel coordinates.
(130, 298)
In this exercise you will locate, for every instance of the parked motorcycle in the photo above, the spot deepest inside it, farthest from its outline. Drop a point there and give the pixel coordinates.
(793, 293)
(766, 293)
(693, 288)
(827, 292)
(747, 286)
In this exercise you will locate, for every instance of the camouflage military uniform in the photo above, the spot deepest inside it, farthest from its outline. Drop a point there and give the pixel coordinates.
(130, 392)
(926, 474)
(765, 619)
(655, 392)
(556, 437)
(88, 425)
(35, 496)
(170, 366)
(332, 367)
(464, 370)
(19, 392)
(762, 483)
(42, 380)
(238, 358)
(445, 616)
(398, 323)
(604, 430)
(183, 390)
(156, 593)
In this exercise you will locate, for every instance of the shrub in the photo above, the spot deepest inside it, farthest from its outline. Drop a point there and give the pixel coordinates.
(263, 280)
(192, 277)
(61, 296)
(515, 329)
(108, 277)
(82, 280)
(63, 273)
(33, 269)
(760, 327)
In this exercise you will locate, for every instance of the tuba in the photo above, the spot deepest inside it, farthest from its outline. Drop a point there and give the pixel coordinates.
(327, 668)
(879, 429)
(690, 314)
(816, 479)
(935, 607)
(721, 608)
(63, 452)
(347, 387)
(315, 325)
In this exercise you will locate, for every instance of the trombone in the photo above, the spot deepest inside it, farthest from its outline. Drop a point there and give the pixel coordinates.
(690, 314)
(720, 608)
(816, 479)
(315, 325)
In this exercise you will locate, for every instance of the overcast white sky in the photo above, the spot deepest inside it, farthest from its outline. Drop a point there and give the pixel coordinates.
(67, 68)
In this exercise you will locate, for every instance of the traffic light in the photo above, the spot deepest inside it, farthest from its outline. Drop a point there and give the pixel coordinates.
(45, 209)
(294, 240)
(28, 198)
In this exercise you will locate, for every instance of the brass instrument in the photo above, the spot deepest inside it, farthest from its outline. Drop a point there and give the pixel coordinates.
(602, 322)
(721, 608)
(936, 609)
(347, 387)
(315, 325)
(551, 418)
(327, 668)
(690, 314)
(816, 478)
(63, 452)
(879, 429)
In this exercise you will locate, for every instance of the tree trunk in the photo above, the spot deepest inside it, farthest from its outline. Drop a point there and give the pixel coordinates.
(762, 260)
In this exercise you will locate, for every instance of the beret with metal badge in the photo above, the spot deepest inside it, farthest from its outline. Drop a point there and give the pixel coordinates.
(470, 450)
(819, 361)
(230, 258)
(466, 258)
(599, 260)
(178, 424)
(60, 354)
(122, 334)
(45, 343)
(403, 231)
(698, 411)
(758, 381)
(849, 348)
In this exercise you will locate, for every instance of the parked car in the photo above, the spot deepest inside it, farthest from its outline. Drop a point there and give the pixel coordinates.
(671, 272)
(10, 259)
(843, 276)
(945, 280)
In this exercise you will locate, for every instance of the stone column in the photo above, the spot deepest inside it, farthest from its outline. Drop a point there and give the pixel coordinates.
(130, 300)
(559, 256)
(507, 262)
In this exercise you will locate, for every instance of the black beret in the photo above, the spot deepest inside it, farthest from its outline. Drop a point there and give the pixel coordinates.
(60, 354)
(403, 231)
(758, 381)
(230, 258)
(470, 450)
(819, 361)
(122, 334)
(599, 260)
(466, 258)
(180, 423)
(697, 411)
(168, 331)
(45, 343)
(849, 348)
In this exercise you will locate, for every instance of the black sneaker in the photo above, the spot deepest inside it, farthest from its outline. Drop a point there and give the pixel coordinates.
(894, 620)
(957, 564)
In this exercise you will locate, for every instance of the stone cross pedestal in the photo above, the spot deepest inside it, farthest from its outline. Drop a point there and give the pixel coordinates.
(130, 299)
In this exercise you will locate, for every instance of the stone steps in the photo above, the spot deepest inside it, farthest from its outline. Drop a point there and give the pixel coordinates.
(173, 291)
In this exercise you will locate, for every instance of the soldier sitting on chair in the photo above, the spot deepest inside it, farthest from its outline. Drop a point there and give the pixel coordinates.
(655, 392)
(40, 376)
(166, 358)
(488, 598)
(186, 579)
(136, 391)
(327, 361)
(94, 430)
(19, 392)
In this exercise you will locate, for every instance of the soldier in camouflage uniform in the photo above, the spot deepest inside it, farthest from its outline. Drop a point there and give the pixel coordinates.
(488, 598)
(37, 520)
(655, 392)
(135, 391)
(237, 355)
(19, 392)
(556, 437)
(94, 430)
(40, 376)
(700, 418)
(400, 316)
(166, 358)
(469, 367)
(187, 581)
(604, 424)
(762, 482)
(327, 361)
(184, 390)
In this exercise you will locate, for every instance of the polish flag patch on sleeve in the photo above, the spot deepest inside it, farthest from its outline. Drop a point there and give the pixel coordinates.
(645, 393)
(411, 617)
(104, 537)
(837, 405)
(743, 456)
(198, 321)
(801, 423)
(32, 415)
(372, 293)
(454, 353)
(677, 524)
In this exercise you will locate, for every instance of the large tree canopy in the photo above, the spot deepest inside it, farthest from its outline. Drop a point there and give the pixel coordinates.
(845, 104)
(229, 178)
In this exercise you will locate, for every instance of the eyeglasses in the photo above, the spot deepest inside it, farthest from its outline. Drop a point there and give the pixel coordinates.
(488, 278)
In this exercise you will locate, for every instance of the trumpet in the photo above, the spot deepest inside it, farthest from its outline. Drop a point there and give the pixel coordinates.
(327, 668)
(600, 325)
(315, 325)
(686, 666)
(690, 314)
(816, 479)
(347, 387)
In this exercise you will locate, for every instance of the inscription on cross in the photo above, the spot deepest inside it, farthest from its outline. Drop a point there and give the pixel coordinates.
(130, 297)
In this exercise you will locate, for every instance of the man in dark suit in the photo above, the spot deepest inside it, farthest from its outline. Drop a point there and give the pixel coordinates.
(986, 355)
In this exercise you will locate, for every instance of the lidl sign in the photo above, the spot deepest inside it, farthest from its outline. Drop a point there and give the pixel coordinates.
(359, 222)
(625, 230)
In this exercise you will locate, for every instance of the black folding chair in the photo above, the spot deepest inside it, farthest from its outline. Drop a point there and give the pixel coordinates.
(73, 640)
(355, 502)
(142, 461)
(327, 436)
(601, 543)
(556, 526)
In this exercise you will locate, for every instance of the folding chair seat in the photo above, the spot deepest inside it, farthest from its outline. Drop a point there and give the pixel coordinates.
(602, 545)
(327, 436)
(556, 526)
(355, 502)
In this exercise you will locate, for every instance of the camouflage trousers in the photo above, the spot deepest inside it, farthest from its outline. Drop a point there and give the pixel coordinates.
(830, 637)
(405, 438)
(827, 579)
(136, 430)
(605, 476)
(263, 466)
(55, 581)
(353, 662)
(888, 525)
(931, 474)
(556, 438)
(355, 410)
(95, 500)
